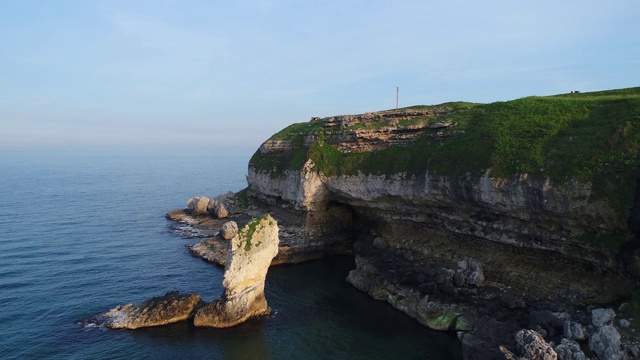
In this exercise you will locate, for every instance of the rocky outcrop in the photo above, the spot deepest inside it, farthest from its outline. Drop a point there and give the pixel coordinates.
(248, 261)
(157, 311)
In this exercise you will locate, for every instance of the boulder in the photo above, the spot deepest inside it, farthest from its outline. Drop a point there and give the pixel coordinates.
(202, 205)
(547, 320)
(252, 251)
(220, 211)
(601, 317)
(161, 310)
(192, 202)
(472, 271)
(217, 207)
(532, 345)
(379, 243)
(605, 342)
(569, 350)
(229, 230)
(624, 323)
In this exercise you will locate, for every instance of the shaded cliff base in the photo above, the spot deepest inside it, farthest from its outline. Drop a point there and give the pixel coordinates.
(465, 295)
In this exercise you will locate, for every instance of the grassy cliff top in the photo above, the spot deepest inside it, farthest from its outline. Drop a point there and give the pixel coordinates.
(591, 137)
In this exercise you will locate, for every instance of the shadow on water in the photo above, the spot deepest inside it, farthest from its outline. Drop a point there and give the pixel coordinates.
(317, 315)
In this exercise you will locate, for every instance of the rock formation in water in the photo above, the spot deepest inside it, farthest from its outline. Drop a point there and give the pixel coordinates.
(157, 311)
(252, 250)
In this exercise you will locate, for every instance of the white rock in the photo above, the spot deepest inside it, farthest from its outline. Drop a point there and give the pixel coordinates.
(248, 261)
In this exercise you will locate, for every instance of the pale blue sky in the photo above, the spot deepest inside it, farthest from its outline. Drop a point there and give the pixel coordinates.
(211, 75)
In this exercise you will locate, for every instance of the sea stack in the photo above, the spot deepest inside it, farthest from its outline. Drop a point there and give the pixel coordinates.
(252, 251)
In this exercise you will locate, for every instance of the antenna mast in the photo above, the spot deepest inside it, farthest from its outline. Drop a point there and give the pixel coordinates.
(397, 92)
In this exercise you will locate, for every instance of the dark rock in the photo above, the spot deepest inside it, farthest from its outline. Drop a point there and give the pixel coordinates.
(468, 292)
(480, 344)
(428, 288)
(447, 289)
(511, 302)
(472, 272)
(378, 243)
(546, 320)
(444, 276)
(458, 278)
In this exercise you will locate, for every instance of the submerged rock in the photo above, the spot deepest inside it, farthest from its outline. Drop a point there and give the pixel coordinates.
(252, 251)
(161, 310)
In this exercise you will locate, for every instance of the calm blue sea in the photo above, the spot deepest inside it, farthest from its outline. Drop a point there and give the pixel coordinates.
(82, 233)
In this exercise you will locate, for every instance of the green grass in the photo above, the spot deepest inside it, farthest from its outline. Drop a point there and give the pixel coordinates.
(590, 137)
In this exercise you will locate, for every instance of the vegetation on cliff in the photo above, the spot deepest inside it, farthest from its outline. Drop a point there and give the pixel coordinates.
(590, 137)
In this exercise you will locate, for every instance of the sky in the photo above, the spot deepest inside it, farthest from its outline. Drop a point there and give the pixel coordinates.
(219, 76)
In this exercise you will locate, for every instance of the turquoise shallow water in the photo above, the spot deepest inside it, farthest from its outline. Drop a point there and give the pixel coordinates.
(82, 233)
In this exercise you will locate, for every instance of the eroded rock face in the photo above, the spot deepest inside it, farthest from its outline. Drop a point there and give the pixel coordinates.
(508, 225)
(248, 261)
(161, 310)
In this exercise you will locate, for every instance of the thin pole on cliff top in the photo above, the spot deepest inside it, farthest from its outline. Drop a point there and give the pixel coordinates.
(397, 92)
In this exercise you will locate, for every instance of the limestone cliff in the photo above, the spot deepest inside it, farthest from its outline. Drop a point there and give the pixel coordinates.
(538, 191)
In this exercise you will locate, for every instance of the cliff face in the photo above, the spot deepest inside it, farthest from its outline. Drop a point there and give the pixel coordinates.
(539, 192)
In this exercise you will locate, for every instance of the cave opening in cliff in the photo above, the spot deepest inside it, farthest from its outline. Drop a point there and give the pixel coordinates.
(341, 223)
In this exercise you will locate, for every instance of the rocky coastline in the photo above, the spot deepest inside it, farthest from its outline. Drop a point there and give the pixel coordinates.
(519, 265)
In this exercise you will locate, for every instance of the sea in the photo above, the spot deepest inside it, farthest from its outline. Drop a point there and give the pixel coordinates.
(81, 233)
